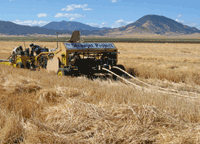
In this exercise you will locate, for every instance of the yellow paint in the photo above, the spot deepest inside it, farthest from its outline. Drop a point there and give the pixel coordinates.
(64, 60)
(5, 63)
(60, 73)
(18, 59)
(43, 53)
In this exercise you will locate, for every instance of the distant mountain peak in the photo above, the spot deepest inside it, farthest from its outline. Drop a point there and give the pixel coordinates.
(160, 25)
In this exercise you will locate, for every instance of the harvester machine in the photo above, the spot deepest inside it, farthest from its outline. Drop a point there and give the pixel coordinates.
(75, 58)
(37, 57)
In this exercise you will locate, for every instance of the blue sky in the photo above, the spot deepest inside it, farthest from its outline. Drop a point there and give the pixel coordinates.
(99, 13)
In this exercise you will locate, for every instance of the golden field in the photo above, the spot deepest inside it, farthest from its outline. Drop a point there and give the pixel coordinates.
(173, 62)
(38, 107)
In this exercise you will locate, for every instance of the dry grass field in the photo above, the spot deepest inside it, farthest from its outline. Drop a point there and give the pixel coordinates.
(38, 107)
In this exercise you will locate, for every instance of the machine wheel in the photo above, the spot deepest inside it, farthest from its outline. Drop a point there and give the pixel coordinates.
(74, 73)
(28, 65)
(64, 71)
(61, 72)
(20, 65)
(118, 72)
(32, 68)
(90, 75)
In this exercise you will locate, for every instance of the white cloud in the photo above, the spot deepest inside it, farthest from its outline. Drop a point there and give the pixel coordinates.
(116, 24)
(87, 9)
(129, 22)
(114, 1)
(94, 24)
(59, 15)
(31, 22)
(103, 24)
(179, 15)
(120, 23)
(196, 25)
(74, 6)
(42, 15)
(193, 24)
(180, 21)
(72, 19)
(68, 15)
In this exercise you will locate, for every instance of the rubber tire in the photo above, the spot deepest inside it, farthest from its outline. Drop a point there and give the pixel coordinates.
(75, 73)
(61, 72)
(20, 65)
(28, 65)
(64, 71)
(118, 72)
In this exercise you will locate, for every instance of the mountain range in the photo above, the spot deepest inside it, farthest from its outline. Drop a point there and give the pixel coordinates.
(71, 26)
(148, 24)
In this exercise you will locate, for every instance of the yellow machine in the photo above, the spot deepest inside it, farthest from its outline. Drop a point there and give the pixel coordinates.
(17, 61)
(75, 57)
(23, 59)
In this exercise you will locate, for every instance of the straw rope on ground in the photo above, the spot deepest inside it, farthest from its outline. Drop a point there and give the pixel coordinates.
(140, 88)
